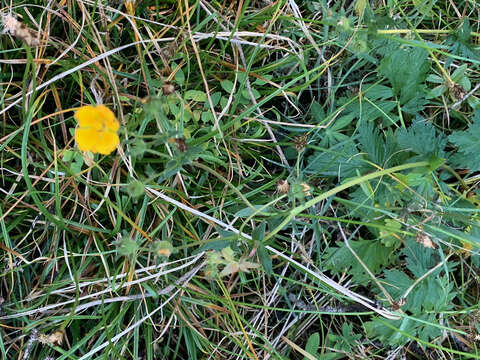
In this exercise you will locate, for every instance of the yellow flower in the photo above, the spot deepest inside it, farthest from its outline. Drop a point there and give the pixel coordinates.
(97, 129)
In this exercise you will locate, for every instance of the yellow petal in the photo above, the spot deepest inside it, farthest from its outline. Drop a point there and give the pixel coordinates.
(107, 117)
(107, 142)
(87, 117)
(86, 138)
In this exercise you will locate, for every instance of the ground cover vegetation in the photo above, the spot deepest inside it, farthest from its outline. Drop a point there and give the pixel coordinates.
(239, 179)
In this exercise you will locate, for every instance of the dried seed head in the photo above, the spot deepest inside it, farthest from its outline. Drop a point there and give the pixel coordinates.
(299, 142)
(283, 186)
(181, 144)
(306, 189)
(458, 91)
(18, 29)
(53, 339)
(425, 240)
(397, 305)
(168, 89)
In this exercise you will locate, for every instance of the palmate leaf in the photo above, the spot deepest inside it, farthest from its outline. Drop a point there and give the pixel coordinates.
(378, 148)
(372, 252)
(406, 69)
(376, 329)
(433, 293)
(340, 160)
(422, 138)
(467, 142)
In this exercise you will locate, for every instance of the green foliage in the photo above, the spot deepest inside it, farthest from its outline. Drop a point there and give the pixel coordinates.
(467, 145)
(432, 295)
(373, 253)
(423, 139)
(406, 69)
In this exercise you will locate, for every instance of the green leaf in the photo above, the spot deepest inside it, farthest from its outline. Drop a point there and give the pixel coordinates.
(360, 7)
(227, 85)
(259, 232)
(248, 211)
(126, 246)
(179, 76)
(313, 343)
(377, 330)
(317, 112)
(372, 252)
(265, 259)
(424, 6)
(341, 160)
(214, 245)
(378, 148)
(387, 235)
(135, 188)
(423, 139)
(138, 148)
(406, 69)
(207, 117)
(195, 95)
(464, 31)
(467, 143)
(68, 155)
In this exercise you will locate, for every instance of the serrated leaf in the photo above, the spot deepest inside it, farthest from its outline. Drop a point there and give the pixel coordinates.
(467, 143)
(406, 69)
(340, 160)
(372, 252)
(423, 139)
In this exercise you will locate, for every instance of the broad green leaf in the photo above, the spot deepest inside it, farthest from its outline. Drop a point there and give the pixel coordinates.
(467, 143)
(406, 69)
(423, 139)
(313, 344)
(227, 85)
(135, 188)
(195, 95)
(259, 232)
